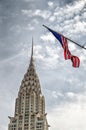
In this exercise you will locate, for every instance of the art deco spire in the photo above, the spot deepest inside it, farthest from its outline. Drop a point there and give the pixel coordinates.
(30, 103)
(31, 80)
(32, 48)
(32, 60)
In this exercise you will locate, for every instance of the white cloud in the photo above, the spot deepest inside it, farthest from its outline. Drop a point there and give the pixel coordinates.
(69, 18)
(35, 21)
(38, 51)
(56, 94)
(83, 56)
(16, 29)
(48, 37)
(70, 95)
(39, 13)
(69, 116)
(50, 4)
(71, 46)
(52, 19)
(84, 14)
(29, 27)
(80, 26)
(42, 13)
(76, 7)
(48, 57)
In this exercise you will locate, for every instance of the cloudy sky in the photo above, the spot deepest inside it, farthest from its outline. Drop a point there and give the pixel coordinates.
(63, 86)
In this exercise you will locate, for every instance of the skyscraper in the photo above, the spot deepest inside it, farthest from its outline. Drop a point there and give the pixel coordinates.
(30, 103)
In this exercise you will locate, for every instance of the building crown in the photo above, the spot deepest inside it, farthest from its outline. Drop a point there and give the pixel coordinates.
(31, 80)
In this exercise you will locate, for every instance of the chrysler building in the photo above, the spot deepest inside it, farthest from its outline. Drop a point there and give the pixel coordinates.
(30, 104)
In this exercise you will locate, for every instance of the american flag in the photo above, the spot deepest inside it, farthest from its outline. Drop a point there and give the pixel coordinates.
(67, 54)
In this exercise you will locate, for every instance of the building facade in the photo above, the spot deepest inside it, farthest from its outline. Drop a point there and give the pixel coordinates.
(30, 103)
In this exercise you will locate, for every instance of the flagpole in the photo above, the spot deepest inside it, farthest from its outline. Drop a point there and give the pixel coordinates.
(76, 43)
(68, 39)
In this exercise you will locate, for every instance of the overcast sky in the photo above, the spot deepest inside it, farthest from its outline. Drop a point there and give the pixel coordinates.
(63, 86)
